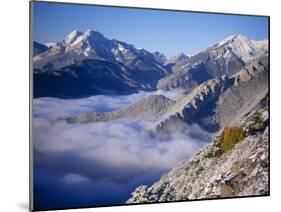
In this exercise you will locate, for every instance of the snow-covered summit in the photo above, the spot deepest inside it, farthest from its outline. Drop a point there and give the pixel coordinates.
(92, 44)
(243, 47)
(229, 39)
(50, 44)
(72, 37)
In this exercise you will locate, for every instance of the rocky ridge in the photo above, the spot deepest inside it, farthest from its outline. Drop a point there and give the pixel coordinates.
(213, 105)
(217, 102)
(154, 104)
(242, 171)
(224, 58)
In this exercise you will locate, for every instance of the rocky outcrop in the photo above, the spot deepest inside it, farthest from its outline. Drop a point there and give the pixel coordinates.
(188, 105)
(150, 108)
(241, 171)
(218, 102)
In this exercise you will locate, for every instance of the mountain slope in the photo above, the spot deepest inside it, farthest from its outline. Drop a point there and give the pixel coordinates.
(225, 57)
(142, 66)
(217, 102)
(170, 62)
(39, 48)
(148, 108)
(87, 77)
(240, 171)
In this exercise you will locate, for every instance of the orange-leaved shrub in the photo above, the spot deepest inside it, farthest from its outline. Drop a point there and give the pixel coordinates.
(230, 137)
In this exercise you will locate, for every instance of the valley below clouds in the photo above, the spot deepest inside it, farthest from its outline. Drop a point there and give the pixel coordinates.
(101, 163)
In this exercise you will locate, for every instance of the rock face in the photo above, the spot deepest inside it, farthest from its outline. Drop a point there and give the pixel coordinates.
(224, 58)
(242, 171)
(159, 57)
(149, 108)
(217, 102)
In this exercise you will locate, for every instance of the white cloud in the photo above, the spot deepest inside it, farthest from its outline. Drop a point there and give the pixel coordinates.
(122, 143)
(53, 108)
(75, 178)
(122, 152)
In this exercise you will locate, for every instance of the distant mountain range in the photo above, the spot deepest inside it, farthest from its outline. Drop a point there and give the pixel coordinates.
(225, 57)
(141, 69)
(88, 63)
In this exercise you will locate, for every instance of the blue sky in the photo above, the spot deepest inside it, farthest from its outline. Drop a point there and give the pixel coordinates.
(164, 31)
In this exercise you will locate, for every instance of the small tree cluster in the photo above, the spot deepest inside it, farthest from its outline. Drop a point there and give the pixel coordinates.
(256, 124)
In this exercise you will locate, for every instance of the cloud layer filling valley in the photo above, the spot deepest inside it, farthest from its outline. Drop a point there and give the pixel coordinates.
(101, 163)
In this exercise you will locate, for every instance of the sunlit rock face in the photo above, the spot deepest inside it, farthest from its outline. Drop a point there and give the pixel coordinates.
(224, 58)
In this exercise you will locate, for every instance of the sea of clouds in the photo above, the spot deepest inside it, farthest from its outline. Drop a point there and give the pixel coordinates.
(78, 165)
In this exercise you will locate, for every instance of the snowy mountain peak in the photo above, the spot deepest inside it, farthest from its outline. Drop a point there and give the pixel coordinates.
(241, 46)
(90, 32)
(241, 38)
(181, 55)
(75, 32)
(232, 39)
(72, 37)
(92, 44)
(83, 43)
(50, 44)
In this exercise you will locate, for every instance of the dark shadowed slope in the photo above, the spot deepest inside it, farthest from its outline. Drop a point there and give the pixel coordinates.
(88, 77)
(39, 48)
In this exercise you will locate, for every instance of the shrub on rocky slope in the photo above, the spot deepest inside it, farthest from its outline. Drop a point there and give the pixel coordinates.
(230, 137)
(240, 171)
